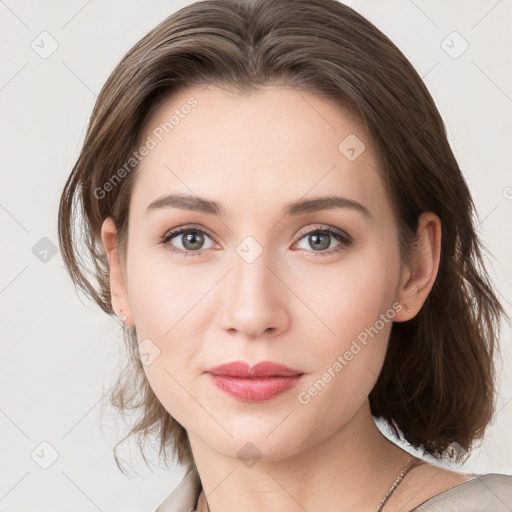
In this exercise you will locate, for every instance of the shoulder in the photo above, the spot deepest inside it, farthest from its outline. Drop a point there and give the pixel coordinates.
(434, 489)
(490, 492)
(185, 495)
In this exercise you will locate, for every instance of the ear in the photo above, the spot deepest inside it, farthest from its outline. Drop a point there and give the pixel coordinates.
(118, 289)
(416, 282)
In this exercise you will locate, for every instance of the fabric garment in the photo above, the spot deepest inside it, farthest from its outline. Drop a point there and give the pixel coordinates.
(484, 493)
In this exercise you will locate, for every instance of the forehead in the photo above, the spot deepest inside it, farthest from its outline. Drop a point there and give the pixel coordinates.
(268, 148)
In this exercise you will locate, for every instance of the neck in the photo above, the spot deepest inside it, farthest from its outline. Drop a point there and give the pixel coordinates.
(352, 469)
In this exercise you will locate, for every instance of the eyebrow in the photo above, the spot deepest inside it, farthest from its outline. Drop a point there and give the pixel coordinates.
(200, 204)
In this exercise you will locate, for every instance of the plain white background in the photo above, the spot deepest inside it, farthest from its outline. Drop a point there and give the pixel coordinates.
(59, 352)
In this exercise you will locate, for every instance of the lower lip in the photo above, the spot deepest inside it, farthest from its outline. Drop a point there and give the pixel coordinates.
(254, 390)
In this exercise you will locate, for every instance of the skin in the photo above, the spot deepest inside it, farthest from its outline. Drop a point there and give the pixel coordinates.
(253, 154)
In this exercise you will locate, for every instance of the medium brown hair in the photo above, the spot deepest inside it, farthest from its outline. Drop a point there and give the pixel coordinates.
(437, 383)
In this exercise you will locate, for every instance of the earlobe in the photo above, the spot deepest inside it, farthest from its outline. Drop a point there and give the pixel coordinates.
(118, 289)
(418, 280)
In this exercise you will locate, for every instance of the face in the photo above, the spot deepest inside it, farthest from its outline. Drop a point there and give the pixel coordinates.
(312, 289)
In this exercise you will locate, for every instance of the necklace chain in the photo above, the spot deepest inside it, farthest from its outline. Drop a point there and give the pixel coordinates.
(412, 462)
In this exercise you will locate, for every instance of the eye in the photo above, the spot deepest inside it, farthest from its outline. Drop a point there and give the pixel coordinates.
(190, 240)
(321, 238)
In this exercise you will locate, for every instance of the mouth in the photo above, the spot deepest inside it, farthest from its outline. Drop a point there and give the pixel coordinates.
(258, 383)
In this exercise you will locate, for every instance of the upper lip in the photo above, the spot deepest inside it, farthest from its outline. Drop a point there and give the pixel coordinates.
(262, 369)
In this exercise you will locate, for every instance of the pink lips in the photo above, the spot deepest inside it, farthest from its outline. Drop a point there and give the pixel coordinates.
(261, 382)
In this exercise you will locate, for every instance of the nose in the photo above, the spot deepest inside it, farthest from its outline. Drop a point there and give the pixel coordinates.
(254, 298)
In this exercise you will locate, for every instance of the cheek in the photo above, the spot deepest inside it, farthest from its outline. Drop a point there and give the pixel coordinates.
(168, 304)
(354, 295)
(168, 388)
(356, 309)
(164, 296)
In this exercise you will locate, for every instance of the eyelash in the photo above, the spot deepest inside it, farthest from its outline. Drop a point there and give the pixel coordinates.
(345, 240)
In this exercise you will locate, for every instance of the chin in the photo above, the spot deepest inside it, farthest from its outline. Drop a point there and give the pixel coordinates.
(256, 446)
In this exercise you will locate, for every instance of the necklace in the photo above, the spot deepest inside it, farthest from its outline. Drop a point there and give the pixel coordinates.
(412, 462)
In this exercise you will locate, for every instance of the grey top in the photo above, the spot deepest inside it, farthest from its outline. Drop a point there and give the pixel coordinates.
(484, 493)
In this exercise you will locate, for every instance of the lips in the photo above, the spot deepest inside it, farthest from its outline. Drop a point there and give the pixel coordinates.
(263, 369)
(263, 381)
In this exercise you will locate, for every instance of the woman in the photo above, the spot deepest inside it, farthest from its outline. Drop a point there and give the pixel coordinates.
(274, 212)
